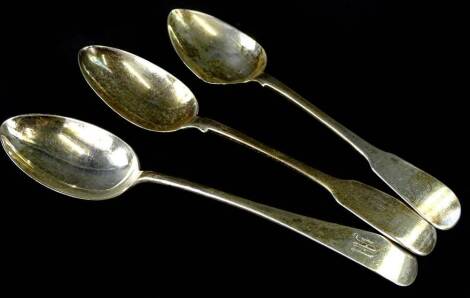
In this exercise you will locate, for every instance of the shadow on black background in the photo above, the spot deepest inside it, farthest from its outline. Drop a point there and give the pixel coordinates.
(387, 74)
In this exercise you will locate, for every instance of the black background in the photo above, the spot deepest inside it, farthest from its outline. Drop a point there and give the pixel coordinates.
(391, 74)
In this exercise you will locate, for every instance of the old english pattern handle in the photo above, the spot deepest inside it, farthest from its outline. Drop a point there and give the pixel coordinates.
(365, 248)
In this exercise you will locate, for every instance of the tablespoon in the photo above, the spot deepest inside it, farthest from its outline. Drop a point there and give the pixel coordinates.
(218, 53)
(149, 97)
(84, 161)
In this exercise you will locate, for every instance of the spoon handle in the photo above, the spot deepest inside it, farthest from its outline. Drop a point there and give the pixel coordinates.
(362, 146)
(428, 196)
(205, 124)
(382, 211)
(365, 248)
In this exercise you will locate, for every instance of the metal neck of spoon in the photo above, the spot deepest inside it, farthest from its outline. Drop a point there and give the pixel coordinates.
(362, 146)
(323, 179)
(368, 249)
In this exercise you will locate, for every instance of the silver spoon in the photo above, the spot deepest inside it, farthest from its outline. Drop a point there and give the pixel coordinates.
(86, 162)
(218, 53)
(151, 98)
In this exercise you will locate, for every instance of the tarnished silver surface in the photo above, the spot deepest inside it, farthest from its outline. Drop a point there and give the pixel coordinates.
(139, 92)
(86, 162)
(218, 53)
(215, 51)
(69, 156)
(130, 92)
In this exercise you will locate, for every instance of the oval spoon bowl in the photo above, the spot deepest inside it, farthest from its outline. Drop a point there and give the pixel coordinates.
(70, 156)
(127, 85)
(215, 51)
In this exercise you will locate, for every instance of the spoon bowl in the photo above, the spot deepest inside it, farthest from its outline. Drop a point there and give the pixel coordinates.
(132, 80)
(70, 156)
(214, 50)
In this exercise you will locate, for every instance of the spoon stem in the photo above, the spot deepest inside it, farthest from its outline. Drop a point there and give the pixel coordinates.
(365, 248)
(362, 146)
(321, 178)
(428, 196)
(364, 201)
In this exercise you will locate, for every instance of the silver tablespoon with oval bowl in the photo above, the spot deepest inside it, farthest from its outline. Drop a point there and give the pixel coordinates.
(218, 53)
(86, 162)
(151, 98)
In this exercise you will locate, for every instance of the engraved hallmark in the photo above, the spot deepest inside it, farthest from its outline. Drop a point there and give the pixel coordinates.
(363, 246)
